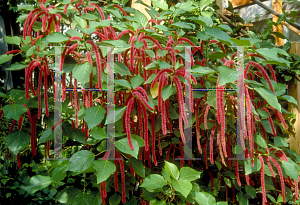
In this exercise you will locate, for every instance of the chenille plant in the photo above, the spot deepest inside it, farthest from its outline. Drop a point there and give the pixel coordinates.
(152, 74)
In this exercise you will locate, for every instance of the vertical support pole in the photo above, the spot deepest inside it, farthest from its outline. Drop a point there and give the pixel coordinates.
(57, 105)
(277, 6)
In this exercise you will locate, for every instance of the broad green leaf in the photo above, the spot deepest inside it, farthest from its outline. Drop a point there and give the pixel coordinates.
(104, 168)
(121, 68)
(141, 18)
(137, 166)
(150, 79)
(172, 169)
(289, 99)
(29, 52)
(67, 195)
(222, 203)
(162, 52)
(248, 167)
(82, 72)
(203, 198)
(37, 183)
(227, 75)
(119, 110)
(139, 140)
(268, 53)
(59, 173)
(12, 40)
(73, 33)
(250, 191)
(150, 53)
(80, 21)
(290, 168)
(17, 140)
(17, 66)
(25, 7)
(47, 134)
(166, 175)
(242, 199)
(182, 186)
(56, 37)
(89, 16)
(94, 115)
(21, 18)
(3, 95)
(4, 58)
(167, 91)
(240, 42)
(136, 81)
(202, 20)
(83, 198)
(98, 133)
(97, 24)
(228, 182)
(181, 25)
(123, 83)
(123, 146)
(269, 97)
(14, 111)
(202, 70)
(154, 181)
(280, 142)
(80, 161)
(160, 4)
(217, 55)
(263, 114)
(115, 199)
(188, 174)
(267, 126)
(260, 141)
(217, 34)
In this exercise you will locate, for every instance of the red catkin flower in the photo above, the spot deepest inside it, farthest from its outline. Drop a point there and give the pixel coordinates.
(262, 179)
(211, 180)
(271, 121)
(122, 177)
(211, 148)
(127, 121)
(12, 126)
(18, 161)
(153, 139)
(281, 177)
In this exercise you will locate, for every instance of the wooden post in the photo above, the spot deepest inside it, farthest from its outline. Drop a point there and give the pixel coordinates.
(141, 7)
(294, 90)
(277, 6)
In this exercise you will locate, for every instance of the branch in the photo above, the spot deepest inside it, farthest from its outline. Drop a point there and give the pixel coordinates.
(296, 25)
(233, 25)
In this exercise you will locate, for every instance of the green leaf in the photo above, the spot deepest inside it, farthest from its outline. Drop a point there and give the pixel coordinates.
(160, 4)
(290, 168)
(141, 18)
(248, 167)
(80, 22)
(250, 191)
(37, 183)
(182, 186)
(217, 34)
(136, 81)
(123, 83)
(97, 24)
(280, 142)
(82, 72)
(137, 166)
(217, 55)
(269, 97)
(47, 134)
(263, 114)
(172, 169)
(260, 141)
(4, 58)
(203, 198)
(242, 199)
(94, 115)
(25, 7)
(98, 133)
(59, 173)
(228, 182)
(81, 161)
(67, 195)
(268, 53)
(89, 16)
(30, 51)
(188, 174)
(123, 146)
(289, 99)
(115, 199)
(202, 20)
(83, 198)
(202, 70)
(139, 140)
(181, 25)
(119, 110)
(227, 75)
(17, 140)
(14, 111)
(12, 40)
(222, 203)
(121, 68)
(240, 42)
(56, 37)
(167, 91)
(17, 66)
(104, 168)
(73, 33)
(154, 181)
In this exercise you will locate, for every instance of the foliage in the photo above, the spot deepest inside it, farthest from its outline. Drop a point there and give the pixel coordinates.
(153, 94)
